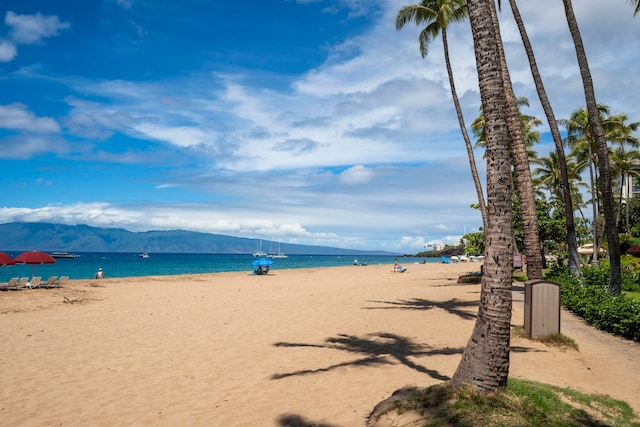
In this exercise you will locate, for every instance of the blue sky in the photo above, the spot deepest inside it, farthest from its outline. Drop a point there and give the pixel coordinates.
(309, 122)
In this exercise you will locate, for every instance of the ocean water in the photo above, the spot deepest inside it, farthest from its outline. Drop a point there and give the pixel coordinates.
(86, 264)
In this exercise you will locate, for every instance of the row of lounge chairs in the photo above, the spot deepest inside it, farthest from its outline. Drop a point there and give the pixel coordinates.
(16, 284)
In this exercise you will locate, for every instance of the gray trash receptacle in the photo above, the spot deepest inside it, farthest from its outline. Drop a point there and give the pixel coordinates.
(541, 308)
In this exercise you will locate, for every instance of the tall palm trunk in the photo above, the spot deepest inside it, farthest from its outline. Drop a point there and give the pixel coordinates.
(611, 233)
(574, 257)
(465, 134)
(485, 361)
(520, 159)
(594, 205)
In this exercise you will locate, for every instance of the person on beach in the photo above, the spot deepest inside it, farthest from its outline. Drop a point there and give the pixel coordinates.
(99, 274)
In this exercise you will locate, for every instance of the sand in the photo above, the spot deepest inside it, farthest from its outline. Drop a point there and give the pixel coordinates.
(294, 348)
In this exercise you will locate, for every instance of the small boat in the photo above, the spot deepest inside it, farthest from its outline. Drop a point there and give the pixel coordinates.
(259, 253)
(144, 255)
(279, 255)
(63, 255)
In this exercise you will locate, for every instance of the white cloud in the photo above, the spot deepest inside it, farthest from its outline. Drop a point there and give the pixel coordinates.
(356, 175)
(17, 117)
(31, 29)
(8, 51)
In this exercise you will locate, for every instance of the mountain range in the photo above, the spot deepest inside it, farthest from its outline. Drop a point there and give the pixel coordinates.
(46, 237)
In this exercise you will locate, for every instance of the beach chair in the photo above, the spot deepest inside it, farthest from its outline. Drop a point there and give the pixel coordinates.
(12, 284)
(50, 283)
(61, 281)
(34, 283)
(22, 283)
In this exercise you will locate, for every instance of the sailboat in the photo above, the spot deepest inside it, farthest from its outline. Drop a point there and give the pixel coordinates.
(259, 253)
(278, 255)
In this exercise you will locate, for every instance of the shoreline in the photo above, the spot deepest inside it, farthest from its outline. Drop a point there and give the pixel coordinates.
(318, 345)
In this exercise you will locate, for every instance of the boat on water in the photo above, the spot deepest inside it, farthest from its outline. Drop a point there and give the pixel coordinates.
(279, 255)
(259, 253)
(63, 255)
(144, 255)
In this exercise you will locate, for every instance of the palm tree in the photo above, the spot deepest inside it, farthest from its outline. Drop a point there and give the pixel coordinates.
(437, 15)
(635, 3)
(527, 123)
(615, 275)
(524, 181)
(485, 360)
(529, 136)
(548, 175)
(572, 246)
(624, 163)
(581, 139)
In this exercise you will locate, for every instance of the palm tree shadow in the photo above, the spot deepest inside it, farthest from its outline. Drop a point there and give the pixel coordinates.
(377, 349)
(295, 420)
(453, 306)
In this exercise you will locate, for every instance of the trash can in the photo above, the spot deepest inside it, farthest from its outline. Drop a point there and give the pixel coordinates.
(541, 308)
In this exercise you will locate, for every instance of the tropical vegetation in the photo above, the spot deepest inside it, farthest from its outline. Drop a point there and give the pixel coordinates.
(535, 211)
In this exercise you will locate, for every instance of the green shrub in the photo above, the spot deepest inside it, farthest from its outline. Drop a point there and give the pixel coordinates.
(588, 298)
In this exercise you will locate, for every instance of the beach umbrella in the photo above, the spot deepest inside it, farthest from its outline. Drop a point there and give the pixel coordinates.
(34, 258)
(262, 262)
(6, 260)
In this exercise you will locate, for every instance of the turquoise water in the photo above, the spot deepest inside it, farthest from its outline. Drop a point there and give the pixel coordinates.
(86, 264)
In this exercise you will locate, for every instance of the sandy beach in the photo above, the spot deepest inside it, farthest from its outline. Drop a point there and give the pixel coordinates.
(306, 347)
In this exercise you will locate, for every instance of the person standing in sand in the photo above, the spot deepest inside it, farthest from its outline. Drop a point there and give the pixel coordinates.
(99, 274)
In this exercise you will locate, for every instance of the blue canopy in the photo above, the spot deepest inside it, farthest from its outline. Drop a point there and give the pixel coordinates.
(262, 262)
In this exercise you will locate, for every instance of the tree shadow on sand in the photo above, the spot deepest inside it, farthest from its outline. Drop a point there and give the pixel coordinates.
(295, 420)
(377, 349)
(453, 306)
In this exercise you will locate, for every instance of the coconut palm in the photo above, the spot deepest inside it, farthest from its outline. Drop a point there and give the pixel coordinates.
(548, 175)
(615, 276)
(485, 360)
(582, 142)
(437, 15)
(524, 181)
(527, 123)
(623, 164)
(572, 246)
(635, 3)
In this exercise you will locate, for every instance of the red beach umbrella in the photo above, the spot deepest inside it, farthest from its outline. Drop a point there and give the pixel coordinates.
(6, 260)
(34, 258)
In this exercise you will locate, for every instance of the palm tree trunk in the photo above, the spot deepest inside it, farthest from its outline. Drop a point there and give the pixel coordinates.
(520, 159)
(485, 360)
(465, 134)
(594, 205)
(615, 278)
(572, 245)
(626, 205)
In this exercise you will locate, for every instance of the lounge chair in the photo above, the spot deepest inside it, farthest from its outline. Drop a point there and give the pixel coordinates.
(22, 283)
(34, 283)
(12, 284)
(50, 283)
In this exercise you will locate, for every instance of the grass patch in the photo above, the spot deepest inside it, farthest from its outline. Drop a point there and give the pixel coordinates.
(519, 276)
(553, 340)
(522, 403)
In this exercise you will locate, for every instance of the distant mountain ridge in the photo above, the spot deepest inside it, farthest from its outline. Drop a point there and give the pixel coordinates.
(47, 237)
